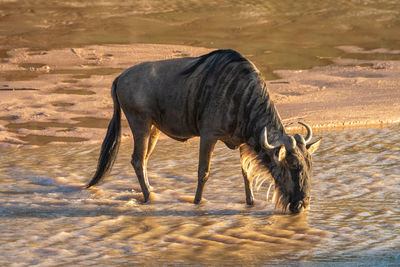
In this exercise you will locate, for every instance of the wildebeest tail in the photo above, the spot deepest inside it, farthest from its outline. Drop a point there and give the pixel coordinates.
(109, 148)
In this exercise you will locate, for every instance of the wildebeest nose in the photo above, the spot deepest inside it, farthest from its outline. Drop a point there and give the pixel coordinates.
(297, 208)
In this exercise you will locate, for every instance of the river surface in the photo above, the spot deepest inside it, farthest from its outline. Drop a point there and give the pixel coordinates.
(47, 218)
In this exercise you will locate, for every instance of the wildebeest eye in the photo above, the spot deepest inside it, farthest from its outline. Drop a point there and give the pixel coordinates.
(299, 168)
(294, 164)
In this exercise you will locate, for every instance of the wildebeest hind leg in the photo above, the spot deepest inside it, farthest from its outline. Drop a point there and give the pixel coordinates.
(141, 128)
(154, 134)
(206, 150)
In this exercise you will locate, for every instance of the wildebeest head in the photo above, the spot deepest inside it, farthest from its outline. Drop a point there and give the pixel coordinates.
(290, 165)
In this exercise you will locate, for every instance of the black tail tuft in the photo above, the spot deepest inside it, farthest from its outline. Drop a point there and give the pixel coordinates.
(111, 142)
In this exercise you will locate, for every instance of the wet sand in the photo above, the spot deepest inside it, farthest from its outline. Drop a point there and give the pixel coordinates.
(63, 95)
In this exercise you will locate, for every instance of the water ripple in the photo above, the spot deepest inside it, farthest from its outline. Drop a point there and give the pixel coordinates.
(48, 218)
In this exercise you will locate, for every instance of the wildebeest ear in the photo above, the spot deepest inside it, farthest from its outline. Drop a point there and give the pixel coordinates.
(282, 153)
(312, 147)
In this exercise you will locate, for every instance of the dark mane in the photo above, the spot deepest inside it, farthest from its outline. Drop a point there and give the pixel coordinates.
(225, 76)
(227, 56)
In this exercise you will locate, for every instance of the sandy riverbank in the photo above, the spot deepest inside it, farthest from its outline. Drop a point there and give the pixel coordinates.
(64, 95)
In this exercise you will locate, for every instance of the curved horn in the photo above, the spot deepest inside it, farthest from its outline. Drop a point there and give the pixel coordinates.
(264, 140)
(309, 132)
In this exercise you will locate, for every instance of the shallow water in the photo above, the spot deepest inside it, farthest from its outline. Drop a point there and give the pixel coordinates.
(47, 218)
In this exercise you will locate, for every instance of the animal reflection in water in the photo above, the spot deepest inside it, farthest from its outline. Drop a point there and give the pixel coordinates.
(217, 96)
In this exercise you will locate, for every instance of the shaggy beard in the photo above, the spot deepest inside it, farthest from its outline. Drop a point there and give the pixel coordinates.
(258, 174)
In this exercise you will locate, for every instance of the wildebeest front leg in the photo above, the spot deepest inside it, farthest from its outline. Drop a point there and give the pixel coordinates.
(248, 186)
(248, 181)
(207, 145)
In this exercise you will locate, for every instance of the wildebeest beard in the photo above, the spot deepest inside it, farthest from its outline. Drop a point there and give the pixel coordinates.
(290, 176)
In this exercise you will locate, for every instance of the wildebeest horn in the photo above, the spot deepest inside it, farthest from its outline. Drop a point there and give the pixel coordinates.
(309, 132)
(264, 139)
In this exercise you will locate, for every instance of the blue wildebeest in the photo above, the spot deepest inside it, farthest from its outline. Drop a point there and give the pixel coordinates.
(217, 96)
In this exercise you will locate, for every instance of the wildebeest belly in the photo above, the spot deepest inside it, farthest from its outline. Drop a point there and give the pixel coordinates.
(174, 121)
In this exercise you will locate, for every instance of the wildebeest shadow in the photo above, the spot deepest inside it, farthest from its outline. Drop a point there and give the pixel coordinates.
(52, 209)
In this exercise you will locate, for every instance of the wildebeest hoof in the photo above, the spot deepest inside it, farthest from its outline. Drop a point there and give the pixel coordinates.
(150, 198)
(199, 201)
(250, 202)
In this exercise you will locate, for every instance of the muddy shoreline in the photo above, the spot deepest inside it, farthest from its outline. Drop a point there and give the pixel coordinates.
(63, 96)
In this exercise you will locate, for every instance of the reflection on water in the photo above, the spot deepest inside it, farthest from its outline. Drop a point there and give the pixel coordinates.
(47, 218)
(275, 34)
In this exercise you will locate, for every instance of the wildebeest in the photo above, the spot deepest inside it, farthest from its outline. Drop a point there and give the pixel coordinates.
(217, 96)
